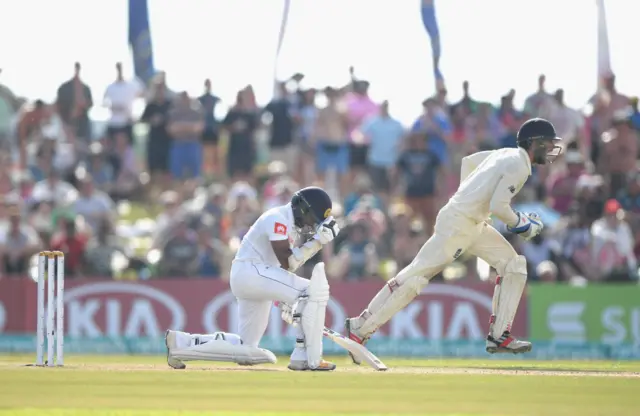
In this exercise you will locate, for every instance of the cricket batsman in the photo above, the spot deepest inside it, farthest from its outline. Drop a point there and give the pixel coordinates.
(261, 274)
(489, 180)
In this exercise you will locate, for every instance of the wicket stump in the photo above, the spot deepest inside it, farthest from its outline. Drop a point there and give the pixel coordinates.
(51, 266)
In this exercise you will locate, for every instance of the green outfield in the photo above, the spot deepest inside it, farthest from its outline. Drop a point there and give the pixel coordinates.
(116, 385)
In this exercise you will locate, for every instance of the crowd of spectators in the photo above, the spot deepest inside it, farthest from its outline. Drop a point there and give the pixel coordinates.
(170, 192)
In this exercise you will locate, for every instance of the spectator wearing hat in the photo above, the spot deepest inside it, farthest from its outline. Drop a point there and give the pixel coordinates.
(613, 244)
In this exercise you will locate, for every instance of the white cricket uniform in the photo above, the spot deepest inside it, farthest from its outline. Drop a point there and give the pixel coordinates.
(489, 180)
(257, 278)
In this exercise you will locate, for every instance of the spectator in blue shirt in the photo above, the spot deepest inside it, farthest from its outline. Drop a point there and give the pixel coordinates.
(385, 137)
(435, 123)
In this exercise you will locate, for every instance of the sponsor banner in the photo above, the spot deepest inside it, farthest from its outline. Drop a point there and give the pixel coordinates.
(118, 309)
(603, 314)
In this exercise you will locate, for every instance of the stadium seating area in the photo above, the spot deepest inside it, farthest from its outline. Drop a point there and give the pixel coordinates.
(171, 191)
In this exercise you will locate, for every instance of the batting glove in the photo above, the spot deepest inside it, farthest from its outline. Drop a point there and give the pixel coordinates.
(286, 312)
(327, 231)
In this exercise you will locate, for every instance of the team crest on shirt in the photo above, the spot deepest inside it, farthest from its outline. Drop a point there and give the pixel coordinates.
(512, 189)
(279, 228)
(327, 213)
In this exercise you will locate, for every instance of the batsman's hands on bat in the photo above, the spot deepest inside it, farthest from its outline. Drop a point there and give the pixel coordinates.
(327, 231)
(286, 312)
(528, 226)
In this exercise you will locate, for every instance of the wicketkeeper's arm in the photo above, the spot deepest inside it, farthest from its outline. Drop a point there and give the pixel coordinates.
(500, 204)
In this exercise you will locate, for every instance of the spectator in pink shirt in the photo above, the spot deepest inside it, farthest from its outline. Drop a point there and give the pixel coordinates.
(562, 186)
(359, 108)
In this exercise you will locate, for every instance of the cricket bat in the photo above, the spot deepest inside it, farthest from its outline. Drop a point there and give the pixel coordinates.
(359, 350)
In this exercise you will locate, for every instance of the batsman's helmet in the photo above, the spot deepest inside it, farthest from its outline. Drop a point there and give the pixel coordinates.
(310, 207)
(540, 135)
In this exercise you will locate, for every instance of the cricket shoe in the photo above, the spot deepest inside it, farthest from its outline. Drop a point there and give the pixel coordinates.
(303, 365)
(170, 340)
(354, 335)
(507, 344)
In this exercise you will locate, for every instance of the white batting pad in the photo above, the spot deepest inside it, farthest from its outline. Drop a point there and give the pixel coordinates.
(312, 313)
(225, 351)
(393, 297)
(507, 294)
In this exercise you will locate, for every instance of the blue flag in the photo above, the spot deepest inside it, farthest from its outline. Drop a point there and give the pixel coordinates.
(140, 40)
(430, 23)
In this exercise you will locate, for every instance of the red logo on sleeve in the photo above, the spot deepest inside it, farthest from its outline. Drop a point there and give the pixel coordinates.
(279, 228)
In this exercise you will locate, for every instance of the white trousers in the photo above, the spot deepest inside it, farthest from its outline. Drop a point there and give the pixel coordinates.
(455, 235)
(256, 286)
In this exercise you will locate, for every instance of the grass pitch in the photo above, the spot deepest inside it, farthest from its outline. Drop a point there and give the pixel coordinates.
(136, 386)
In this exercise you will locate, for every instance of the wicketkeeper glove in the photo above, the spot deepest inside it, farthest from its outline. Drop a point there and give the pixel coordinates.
(528, 225)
